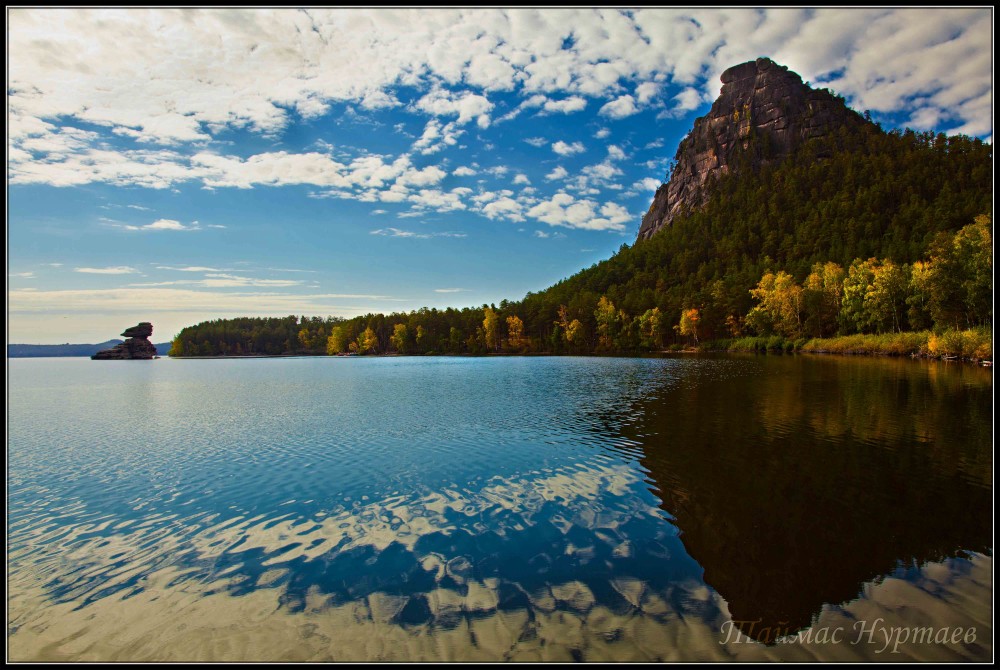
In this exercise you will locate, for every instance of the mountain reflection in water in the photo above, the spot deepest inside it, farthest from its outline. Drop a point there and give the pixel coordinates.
(496, 509)
(793, 487)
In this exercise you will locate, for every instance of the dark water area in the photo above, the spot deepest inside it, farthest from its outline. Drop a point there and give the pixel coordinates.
(486, 509)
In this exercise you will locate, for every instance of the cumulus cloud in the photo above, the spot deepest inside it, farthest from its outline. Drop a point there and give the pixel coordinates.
(566, 106)
(521, 179)
(465, 105)
(256, 69)
(504, 208)
(562, 209)
(463, 171)
(558, 173)
(565, 149)
(620, 107)
(647, 91)
(437, 136)
(537, 141)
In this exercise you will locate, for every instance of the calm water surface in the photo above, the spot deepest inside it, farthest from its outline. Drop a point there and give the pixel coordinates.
(748, 508)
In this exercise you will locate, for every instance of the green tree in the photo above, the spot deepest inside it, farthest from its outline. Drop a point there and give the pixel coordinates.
(885, 297)
(853, 316)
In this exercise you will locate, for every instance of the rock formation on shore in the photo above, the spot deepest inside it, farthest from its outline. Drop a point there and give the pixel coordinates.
(135, 347)
(763, 113)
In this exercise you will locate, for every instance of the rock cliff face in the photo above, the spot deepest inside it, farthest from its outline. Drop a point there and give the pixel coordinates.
(135, 347)
(762, 114)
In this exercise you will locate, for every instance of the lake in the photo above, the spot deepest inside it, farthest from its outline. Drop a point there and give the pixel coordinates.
(484, 509)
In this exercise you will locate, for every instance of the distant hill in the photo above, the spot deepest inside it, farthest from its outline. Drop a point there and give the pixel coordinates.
(62, 350)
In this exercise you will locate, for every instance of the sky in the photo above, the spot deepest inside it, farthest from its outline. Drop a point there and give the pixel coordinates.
(180, 165)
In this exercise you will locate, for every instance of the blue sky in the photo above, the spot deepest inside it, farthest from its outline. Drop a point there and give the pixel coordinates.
(179, 165)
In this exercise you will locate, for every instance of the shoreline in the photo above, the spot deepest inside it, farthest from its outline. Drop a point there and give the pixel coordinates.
(647, 354)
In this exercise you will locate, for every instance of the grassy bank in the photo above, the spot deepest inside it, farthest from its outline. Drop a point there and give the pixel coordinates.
(972, 345)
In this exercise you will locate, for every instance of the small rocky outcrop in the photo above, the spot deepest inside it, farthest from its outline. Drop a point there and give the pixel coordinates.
(763, 113)
(135, 347)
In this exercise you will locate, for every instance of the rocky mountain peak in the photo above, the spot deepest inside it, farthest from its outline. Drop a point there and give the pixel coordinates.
(763, 113)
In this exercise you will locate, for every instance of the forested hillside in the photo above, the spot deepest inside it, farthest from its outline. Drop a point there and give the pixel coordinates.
(859, 231)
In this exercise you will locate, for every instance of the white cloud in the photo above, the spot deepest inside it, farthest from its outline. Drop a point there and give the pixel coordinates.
(620, 108)
(646, 91)
(467, 106)
(189, 268)
(647, 184)
(504, 208)
(379, 100)
(207, 70)
(564, 210)
(396, 232)
(537, 141)
(114, 270)
(687, 100)
(450, 290)
(567, 106)
(564, 149)
(22, 275)
(615, 153)
(223, 280)
(161, 224)
(558, 173)
(463, 171)
(437, 136)
(602, 133)
(542, 234)
(521, 179)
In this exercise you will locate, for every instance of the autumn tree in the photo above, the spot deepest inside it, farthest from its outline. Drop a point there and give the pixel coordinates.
(515, 331)
(491, 329)
(779, 308)
(688, 325)
(574, 333)
(336, 343)
(821, 296)
(606, 317)
(651, 328)
(367, 341)
(398, 338)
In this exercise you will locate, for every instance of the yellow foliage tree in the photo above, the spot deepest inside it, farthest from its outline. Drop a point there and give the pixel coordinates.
(367, 341)
(515, 332)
